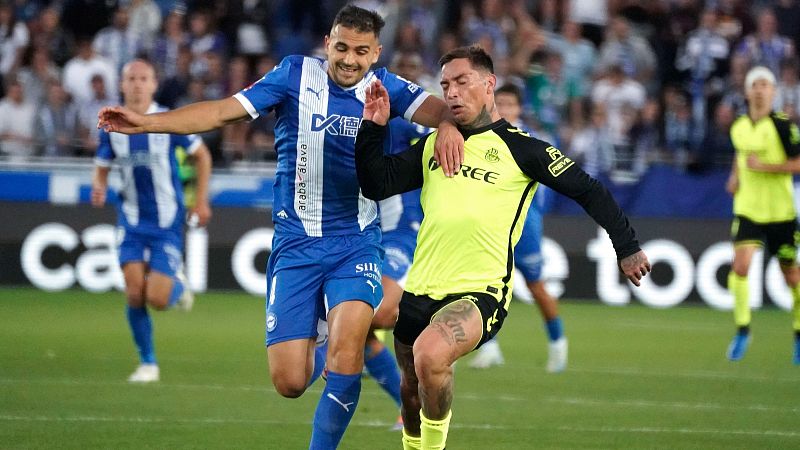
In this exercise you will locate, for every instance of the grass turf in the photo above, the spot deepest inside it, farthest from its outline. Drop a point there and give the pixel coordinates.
(637, 378)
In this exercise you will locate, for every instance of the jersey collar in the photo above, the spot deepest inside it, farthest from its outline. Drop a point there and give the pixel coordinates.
(467, 133)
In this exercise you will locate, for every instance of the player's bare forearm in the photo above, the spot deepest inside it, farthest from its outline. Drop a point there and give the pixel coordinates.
(789, 166)
(197, 117)
(99, 186)
(202, 163)
(635, 266)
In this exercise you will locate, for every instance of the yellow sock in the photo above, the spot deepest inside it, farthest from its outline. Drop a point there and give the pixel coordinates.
(434, 432)
(381, 335)
(411, 442)
(741, 299)
(796, 307)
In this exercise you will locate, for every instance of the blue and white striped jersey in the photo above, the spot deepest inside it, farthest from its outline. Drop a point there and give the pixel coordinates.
(316, 188)
(403, 212)
(151, 194)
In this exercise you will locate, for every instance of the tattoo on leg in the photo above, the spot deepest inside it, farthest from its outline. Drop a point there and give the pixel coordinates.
(450, 322)
(409, 388)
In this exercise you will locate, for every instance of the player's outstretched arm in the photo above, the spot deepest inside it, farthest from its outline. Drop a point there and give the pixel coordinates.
(192, 118)
(635, 267)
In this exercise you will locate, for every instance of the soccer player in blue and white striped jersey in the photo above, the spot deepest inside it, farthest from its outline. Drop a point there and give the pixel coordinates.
(326, 254)
(151, 211)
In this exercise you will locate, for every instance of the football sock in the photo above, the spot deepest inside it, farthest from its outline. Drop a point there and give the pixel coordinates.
(434, 432)
(320, 354)
(555, 329)
(142, 330)
(334, 410)
(175, 293)
(741, 307)
(411, 442)
(796, 307)
(383, 368)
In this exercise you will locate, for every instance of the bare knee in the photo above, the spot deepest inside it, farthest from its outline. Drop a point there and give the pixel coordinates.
(429, 365)
(287, 385)
(135, 296)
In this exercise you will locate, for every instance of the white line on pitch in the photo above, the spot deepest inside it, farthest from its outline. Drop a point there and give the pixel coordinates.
(382, 424)
(676, 405)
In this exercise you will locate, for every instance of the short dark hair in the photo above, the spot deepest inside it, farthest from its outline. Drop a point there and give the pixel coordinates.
(359, 19)
(476, 55)
(510, 89)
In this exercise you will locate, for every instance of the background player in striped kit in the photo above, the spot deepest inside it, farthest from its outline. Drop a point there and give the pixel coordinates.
(151, 212)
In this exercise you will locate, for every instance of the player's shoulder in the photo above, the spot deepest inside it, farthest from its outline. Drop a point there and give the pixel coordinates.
(518, 138)
(739, 121)
(780, 117)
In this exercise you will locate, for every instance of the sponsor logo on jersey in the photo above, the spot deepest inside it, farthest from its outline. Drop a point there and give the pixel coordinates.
(272, 322)
(369, 270)
(560, 162)
(492, 155)
(336, 125)
(475, 173)
(282, 214)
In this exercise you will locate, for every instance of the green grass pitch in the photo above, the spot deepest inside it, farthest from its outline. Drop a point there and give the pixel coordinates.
(637, 378)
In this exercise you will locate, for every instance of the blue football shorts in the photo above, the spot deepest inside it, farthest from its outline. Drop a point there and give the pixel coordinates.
(399, 247)
(528, 252)
(161, 253)
(309, 276)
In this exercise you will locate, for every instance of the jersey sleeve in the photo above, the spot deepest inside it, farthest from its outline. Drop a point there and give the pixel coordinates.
(547, 165)
(190, 142)
(788, 133)
(267, 92)
(381, 176)
(405, 97)
(104, 154)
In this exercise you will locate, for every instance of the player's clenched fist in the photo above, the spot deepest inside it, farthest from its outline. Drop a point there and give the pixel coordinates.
(635, 267)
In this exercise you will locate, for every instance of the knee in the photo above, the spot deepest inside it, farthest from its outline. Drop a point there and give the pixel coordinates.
(289, 387)
(385, 318)
(158, 303)
(134, 296)
(740, 269)
(428, 364)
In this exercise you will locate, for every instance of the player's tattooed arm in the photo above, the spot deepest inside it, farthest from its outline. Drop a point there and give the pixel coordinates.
(635, 266)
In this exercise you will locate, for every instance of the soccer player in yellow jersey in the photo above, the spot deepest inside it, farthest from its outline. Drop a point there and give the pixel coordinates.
(767, 154)
(460, 282)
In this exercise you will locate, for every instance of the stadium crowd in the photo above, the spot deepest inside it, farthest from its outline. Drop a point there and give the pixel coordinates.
(620, 84)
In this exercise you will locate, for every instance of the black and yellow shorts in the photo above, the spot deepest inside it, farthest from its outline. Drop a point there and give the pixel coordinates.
(781, 238)
(417, 311)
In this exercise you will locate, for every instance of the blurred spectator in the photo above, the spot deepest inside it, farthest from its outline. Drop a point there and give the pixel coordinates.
(84, 18)
(489, 22)
(705, 58)
(87, 114)
(55, 123)
(171, 89)
(145, 21)
(734, 86)
(623, 98)
(717, 147)
(16, 121)
(591, 144)
(592, 15)
(787, 97)
(677, 126)
(36, 73)
(766, 47)
(53, 37)
(408, 64)
(14, 38)
(204, 38)
(579, 54)
(235, 135)
(251, 19)
(734, 19)
(788, 14)
(168, 45)
(553, 98)
(116, 42)
(78, 72)
(647, 136)
(629, 51)
(549, 15)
